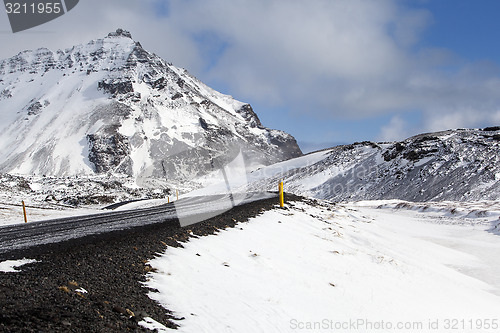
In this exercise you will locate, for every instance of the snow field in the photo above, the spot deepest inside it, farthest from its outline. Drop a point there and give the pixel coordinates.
(51, 198)
(325, 267)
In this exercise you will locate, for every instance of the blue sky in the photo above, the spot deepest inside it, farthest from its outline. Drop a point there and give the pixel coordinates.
(326, 71)
(468, 28)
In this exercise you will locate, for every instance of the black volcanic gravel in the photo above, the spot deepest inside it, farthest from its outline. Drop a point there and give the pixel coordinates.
(42, 297)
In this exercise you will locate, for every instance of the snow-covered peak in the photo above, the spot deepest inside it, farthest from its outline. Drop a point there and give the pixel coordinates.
(109, 53)
(111, 106)
(120, 33)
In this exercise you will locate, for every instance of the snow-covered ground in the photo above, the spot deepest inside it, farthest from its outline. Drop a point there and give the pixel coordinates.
(368, 266)
(387, 265)
(53, 197)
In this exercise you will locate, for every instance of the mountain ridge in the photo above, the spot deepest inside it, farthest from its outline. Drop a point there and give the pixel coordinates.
(455, 165)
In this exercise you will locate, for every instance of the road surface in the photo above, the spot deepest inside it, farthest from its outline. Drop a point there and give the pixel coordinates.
(180, 213)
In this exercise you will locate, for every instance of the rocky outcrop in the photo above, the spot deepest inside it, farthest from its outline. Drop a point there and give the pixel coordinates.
(109, 152)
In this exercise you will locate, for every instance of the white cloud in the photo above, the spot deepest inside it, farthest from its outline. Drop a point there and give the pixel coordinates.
(461, 118)
(315, 51)
(348, 59)
(395, 130)
(327, 58)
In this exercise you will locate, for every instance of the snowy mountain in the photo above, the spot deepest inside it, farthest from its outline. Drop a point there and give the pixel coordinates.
(460, 165)
(111, 106)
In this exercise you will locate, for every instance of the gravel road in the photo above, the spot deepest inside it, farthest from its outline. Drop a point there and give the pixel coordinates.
(44, 297)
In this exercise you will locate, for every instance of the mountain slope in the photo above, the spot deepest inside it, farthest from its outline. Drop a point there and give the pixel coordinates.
(450, 165)
(111, 106)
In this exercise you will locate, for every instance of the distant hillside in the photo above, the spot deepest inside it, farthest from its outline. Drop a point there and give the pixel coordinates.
(458, 165)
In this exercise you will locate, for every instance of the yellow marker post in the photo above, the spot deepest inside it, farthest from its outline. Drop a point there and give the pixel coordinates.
(282, 195)
(177, 193)
(24, 211)
(168, 199)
